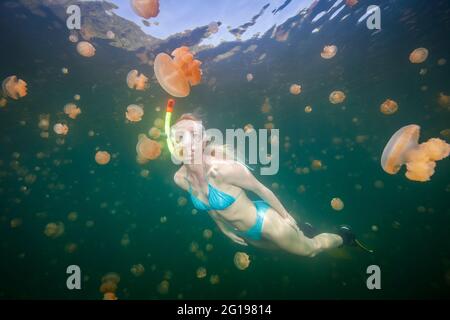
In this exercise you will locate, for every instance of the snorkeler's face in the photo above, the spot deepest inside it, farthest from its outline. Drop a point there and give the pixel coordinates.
(188, 137)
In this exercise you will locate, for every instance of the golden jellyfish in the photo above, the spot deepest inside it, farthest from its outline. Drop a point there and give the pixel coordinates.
(14, 88)
(111, 277)
(389, 107)
(182, 201)
(137, 81)
(54, 229)
(419, 55)
(108, 287)
(3, 102)
(70, 247)
(145, 8)
(134, 113)
(65, 70)
(110, 35)
(295, 89)
(420, 159)
(111, 296)
(337, 204)
(351, 3)
(316, 165)
(248, 128)
(145, 173)
(137, 270)
(308, 109)
(214, 279)
(15, 223)
(154, 133)
(73, 38)
(241, 260)
(159, 123)
(163, 287)
(337, 97)
(374, 228)
(445, 133)
(207, 234)
(266, 107)
(102, 157)
(86, 49)
(163, 219)
(61, 129)
(444, 100)
(72, 110)
(177, 75)
(249, 77)
(72, 216)
(329, 52)
(442, 62)
(76, 97)
(201, 272)
(147, 149)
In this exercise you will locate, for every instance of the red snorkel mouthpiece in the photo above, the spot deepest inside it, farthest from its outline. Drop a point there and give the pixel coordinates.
(170, 105)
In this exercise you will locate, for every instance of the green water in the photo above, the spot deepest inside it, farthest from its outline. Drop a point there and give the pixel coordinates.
(412, 248)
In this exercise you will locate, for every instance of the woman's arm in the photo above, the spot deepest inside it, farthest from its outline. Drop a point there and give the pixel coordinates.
(230, 234)
(238, 175)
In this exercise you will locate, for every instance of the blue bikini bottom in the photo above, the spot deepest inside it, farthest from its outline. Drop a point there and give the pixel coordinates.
(255, 232)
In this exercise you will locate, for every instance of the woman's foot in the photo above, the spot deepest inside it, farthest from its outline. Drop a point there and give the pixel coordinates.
(347, 235)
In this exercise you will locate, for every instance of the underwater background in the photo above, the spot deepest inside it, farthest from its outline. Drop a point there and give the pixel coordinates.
(126, 216)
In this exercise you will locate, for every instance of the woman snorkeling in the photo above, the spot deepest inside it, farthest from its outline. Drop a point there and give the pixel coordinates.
(218, 184)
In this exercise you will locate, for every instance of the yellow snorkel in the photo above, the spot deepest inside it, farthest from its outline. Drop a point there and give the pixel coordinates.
(169, 110)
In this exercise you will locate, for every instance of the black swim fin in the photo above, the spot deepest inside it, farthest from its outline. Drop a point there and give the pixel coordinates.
(349, 238)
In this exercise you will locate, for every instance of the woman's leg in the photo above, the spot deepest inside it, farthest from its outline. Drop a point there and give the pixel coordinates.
(293, 240)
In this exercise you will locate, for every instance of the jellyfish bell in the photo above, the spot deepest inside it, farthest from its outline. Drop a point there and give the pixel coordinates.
(14, 88)
(137, 81)
(241, 260)
(420, 159)
(147, 149)
(389, 107)
(61, 129)
(102, 157)
(145, 8)
(337, 204)
(419, 55)
(249, 77)
(134, 113)
(329, 52)
(72, 110)
(177, 75)
(85, 49)
(295, 89)
(110, 35)
(337, 97)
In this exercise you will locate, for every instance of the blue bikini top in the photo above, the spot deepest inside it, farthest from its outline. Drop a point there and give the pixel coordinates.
(217, 199)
